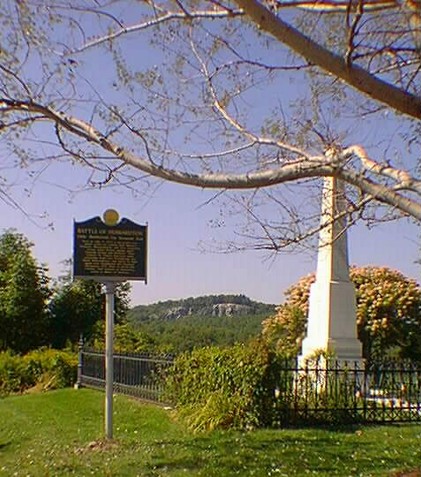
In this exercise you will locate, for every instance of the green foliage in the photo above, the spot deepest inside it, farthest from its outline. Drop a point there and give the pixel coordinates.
(51, 368)
(126, 339)
(42, 369)
(13, 377)
(221, 388)
(78, 305)
(190, 332)
(388, 315)
(24, 291)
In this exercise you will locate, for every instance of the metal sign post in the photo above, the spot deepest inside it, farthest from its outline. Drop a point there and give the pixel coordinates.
(109, 289)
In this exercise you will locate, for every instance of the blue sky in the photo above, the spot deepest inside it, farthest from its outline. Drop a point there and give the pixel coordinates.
(177, 219)
(177, 224)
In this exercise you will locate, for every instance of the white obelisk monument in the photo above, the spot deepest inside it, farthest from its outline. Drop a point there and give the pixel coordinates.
(332, 323)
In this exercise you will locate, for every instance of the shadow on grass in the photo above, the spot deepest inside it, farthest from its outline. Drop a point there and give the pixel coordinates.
(5, 445)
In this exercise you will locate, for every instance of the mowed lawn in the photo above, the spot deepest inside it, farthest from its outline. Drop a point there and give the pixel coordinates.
(59, 433)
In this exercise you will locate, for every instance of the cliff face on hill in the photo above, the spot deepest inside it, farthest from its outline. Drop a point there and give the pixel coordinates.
(212, 305)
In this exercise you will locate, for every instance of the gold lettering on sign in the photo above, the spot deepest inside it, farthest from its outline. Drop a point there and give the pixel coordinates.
(110, 251)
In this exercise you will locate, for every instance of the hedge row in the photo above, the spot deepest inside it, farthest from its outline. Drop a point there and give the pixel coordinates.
(40, 369)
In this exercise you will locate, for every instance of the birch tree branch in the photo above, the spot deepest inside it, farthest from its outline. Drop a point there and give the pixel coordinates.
(310, 167)
(357, 77)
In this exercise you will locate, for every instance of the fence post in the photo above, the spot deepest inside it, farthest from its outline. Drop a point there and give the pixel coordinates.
(78, 383)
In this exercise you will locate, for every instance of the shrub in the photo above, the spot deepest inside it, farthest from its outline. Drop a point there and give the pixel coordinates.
(52, 368)
(13, 376)
(220, 388)
(40, 369)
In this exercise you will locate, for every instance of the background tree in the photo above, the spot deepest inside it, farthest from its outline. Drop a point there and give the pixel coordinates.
(24, 291)
(242, 94)
(77, 306)
(126, 339)
(388, 315)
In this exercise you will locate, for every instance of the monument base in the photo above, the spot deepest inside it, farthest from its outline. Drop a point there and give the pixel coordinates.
(332, 326)
(340, 349)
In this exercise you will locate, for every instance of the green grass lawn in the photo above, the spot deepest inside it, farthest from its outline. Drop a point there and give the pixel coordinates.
(59, 433)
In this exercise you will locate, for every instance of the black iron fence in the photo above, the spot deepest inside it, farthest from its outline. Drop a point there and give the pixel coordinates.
(329, 391)
(139, 375)
(310, 393)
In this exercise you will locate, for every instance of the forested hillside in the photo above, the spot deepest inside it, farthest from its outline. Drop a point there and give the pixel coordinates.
(179, 325)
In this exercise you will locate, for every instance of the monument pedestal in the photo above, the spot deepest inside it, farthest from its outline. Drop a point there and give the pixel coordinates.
(332, 323)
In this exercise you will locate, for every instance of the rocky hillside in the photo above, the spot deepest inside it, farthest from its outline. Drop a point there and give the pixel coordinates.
(211, 305)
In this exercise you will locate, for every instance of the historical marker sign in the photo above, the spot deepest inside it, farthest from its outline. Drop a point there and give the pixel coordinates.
(110, 251)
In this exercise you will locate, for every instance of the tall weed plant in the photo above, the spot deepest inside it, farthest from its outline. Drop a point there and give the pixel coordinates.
(222, 388)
